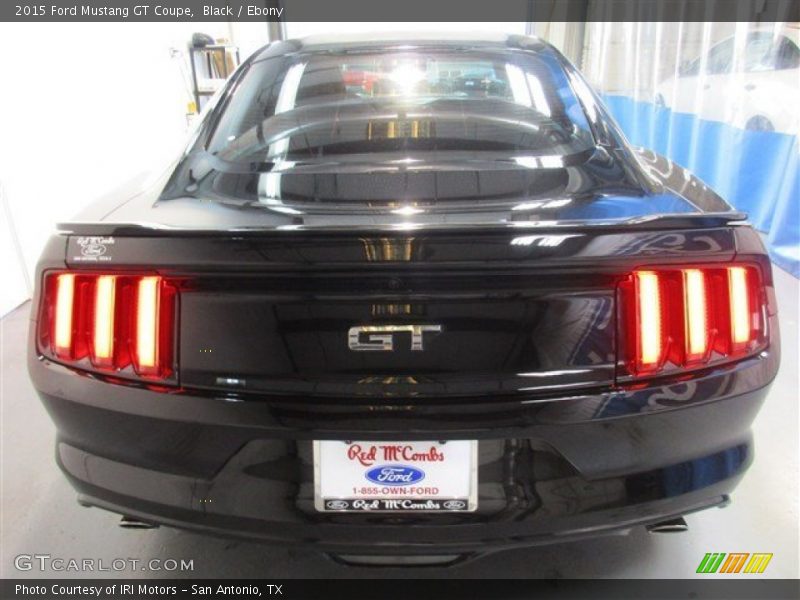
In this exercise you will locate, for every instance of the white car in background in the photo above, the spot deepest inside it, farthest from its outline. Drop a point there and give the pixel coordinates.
(750, 81)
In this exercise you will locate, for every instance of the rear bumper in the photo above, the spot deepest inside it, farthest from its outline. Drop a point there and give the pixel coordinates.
(550, 469)
(434, 535)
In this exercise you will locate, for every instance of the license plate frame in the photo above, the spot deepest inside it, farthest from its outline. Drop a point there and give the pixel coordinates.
(363, 494)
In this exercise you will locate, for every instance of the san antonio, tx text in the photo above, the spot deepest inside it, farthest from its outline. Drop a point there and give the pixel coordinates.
(266, 589)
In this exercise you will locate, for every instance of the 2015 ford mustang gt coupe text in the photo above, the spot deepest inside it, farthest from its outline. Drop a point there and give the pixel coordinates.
(406, 296)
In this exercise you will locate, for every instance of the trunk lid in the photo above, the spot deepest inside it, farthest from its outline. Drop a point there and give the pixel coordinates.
(433, 314)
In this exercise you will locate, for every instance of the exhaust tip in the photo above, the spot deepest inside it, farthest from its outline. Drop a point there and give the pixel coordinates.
(677, 525)
(127, 522)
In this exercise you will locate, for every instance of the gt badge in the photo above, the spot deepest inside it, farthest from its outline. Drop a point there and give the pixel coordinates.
(380, 338)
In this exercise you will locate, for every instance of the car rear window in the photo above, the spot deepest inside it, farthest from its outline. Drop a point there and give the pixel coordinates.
(316, 105)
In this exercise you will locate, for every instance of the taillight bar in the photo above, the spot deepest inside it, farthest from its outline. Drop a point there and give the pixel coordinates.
(116, 323)
(675, 318)
(104, 320)
(649, 341)
(147, 323)
(62, 318)
(739, 282)
(695, 314)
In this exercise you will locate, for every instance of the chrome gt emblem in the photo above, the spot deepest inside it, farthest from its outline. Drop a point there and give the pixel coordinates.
(380, 338)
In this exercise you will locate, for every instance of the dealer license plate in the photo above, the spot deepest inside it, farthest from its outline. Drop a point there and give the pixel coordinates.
(396, 476)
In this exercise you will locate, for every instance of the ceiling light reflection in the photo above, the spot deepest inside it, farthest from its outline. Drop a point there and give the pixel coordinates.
(543, 241)
(539, 204)
(406, 76)
(407, 211)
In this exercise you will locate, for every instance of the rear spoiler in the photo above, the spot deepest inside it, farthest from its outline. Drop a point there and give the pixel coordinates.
(652, 222)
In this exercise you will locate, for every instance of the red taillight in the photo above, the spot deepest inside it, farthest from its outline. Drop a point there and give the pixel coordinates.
(147, 322)
(650, 345)
(63, 315)
(695, 318)
(115, 323)
(677, 318)
(103, 326)
(741, 314)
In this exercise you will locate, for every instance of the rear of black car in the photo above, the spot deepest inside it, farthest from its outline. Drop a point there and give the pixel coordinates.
(415, 300)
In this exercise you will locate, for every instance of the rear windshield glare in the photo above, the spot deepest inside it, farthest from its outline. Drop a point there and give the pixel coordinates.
(312, 106)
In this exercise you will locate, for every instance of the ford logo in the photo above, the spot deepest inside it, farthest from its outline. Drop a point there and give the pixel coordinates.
(455, 505)
(93, 250)
(337, 504)
(395, 475)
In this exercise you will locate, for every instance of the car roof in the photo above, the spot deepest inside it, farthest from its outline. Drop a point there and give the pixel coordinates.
(400, 40)
(394, 37)
(789, 30)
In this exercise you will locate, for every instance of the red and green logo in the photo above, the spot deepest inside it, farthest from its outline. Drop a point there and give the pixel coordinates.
(734, 562)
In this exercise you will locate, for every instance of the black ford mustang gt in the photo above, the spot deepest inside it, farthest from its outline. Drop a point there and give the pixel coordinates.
(406, 297)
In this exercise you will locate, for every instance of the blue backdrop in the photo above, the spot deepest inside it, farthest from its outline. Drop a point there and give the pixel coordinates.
(756, 171)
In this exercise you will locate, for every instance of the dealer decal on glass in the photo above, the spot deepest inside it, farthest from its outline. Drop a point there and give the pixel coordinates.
(396, 476)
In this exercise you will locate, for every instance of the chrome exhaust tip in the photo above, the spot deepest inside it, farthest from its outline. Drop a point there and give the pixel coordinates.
(127, 522)
(676, 525)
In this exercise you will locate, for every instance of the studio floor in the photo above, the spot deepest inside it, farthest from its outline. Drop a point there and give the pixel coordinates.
(40, 515)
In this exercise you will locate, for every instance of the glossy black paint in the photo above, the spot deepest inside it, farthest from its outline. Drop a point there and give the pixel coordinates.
(613, 183)
(527, 363)
(550, 469)
(563, 453)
